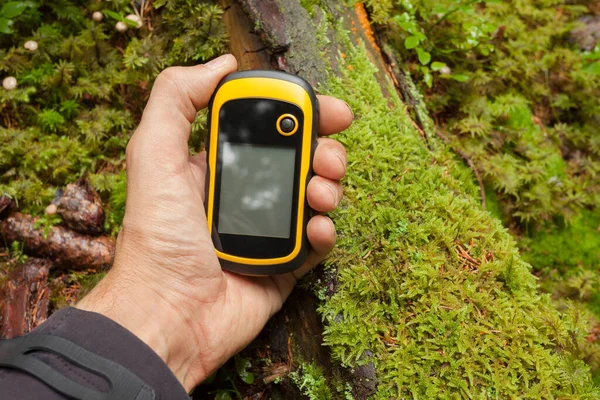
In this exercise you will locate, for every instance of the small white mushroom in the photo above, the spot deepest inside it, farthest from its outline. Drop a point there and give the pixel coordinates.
(135, 18)
(97, 16)
(51, 209)
(31, 45)
(9, 83)
(445, 70)
(121, 26)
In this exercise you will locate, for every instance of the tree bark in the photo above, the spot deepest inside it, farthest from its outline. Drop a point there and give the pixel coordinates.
(65, 247)
(24, 298)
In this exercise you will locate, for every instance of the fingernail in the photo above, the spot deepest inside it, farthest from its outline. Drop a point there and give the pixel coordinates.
(350, 108)
(218, 62)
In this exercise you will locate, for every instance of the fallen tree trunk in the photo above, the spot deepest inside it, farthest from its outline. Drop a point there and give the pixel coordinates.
(24, 298)
(286, 40)
(425, 294)
(68, 249)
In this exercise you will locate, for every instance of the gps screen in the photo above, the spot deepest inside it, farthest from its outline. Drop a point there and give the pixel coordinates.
(257, 186)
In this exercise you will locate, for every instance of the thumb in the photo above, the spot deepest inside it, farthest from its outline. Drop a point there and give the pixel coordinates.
(177, 95)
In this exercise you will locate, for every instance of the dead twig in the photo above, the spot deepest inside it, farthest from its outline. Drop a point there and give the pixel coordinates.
(275, 372)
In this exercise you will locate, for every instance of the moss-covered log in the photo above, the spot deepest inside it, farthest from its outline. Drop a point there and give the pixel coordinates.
(426, 295)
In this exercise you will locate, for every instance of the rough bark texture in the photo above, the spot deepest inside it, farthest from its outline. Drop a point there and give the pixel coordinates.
(80, 207)
(288, 34)
(67, 248)
(245, 44)
(24, 298)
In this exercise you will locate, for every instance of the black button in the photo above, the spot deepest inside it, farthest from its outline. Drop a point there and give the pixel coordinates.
(287, 124)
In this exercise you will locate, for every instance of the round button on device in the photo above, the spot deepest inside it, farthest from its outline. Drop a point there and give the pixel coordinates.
(287, 124)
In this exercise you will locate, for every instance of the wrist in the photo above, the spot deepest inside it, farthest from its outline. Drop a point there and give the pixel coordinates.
(159, 322)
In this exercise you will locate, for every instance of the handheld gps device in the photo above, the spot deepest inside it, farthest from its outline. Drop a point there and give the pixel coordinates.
(262, 136)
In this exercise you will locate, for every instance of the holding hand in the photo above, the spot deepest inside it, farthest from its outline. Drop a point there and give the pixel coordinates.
(166, 285)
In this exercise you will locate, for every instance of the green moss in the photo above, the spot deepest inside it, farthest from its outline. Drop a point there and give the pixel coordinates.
(492, 203)
(515, 95)
(310, 380)
(434, 323)
(573, 245)
(85, 281)
(310, 5)
(594, 306)
(199, 33)
(112, 187)
(568, 261)
(80, 95)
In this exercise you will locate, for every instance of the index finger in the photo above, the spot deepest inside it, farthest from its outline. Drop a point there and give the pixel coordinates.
(335, 115)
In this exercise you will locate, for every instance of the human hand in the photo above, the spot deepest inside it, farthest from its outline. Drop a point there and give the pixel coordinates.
(166, 285)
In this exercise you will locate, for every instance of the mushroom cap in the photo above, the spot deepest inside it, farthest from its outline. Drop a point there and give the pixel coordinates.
(445, 70)
(121, 26)
(31, 45)
(135, 18)
(51, 209)
(97, 16)
(9, 83)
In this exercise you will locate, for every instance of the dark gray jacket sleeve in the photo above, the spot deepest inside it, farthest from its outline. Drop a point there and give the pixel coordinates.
(103, 337)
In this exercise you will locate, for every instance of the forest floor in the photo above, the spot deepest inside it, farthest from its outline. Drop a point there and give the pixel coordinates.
(511, 87)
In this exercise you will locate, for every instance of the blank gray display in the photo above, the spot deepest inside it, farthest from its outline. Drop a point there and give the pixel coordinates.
(257, 185)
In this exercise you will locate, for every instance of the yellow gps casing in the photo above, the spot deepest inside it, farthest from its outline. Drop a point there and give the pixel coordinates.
(275, 112)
